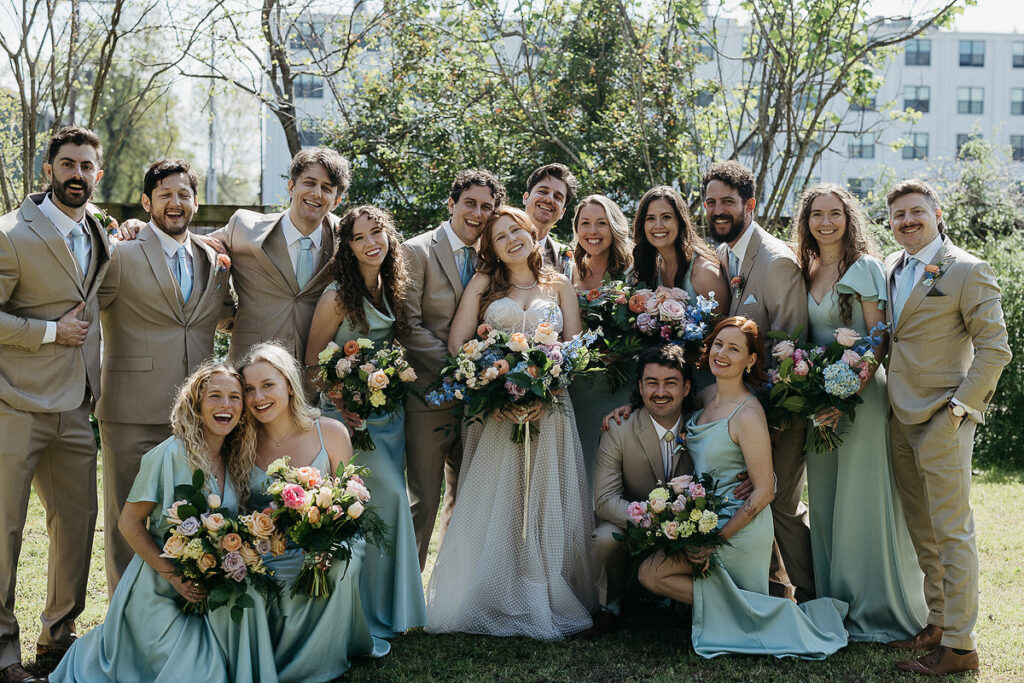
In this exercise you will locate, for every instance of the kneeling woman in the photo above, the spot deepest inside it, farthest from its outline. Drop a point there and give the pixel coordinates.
(146, 636)
(313, 638)
(732, 611)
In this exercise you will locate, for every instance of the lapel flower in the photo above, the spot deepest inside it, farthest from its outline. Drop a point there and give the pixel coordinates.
(680, 443)
(223, 263)
(933, 272)
(105, 221)
(738, 283)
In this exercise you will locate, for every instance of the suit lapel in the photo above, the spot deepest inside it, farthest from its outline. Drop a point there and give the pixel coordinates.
(158, 264)
(272, 252)
(443, 253)
(746, 266)
(648, 439)
(100, 251)
(47, 232)
(202, 276)
(918, 293)
(321, 277)
(890, 274)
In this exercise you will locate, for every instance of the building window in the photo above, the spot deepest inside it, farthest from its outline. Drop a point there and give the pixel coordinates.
(1017, 101)
(307, 36)
(862, 146)
(917, 97)
(919, 52)
(864, 104)
(916, 147)
(962, 139)
(972, 53)
(752, 148)
(1018, 54)
(309, 133)
(860, 187)
(707, 50)
(704, 98)
(970, 100)
(1017, 145)
(308, 85)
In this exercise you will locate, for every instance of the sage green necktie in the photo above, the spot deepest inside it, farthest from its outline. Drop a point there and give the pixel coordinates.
(304, 267)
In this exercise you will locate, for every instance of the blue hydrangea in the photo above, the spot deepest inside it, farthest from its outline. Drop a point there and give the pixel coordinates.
(840, 380)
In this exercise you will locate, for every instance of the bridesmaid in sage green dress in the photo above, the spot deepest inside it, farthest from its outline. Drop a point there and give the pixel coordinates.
(732, 611)
(603, 249)
(146, 637)
(860, 545)
(368, 289)
(313, 639)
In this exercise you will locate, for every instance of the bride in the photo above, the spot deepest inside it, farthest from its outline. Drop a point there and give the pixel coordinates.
(487, 578)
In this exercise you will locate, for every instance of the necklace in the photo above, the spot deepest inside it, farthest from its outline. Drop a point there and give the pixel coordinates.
(527, 287)
(283, 439)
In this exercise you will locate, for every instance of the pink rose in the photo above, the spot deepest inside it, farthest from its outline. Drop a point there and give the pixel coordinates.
(865, 372)
(846, 337)
(851, 358)
(697, 491)
(358, 490)
(620, 300)
(310, 476)
(672, 310)
(658, 505)
(671, 530)
(679, 484)
(636, 511)
(801, 368)
(799, 355)
(783, 350)
(646, 522)
(294, 496)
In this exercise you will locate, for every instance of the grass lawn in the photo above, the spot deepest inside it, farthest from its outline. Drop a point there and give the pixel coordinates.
(650, 647)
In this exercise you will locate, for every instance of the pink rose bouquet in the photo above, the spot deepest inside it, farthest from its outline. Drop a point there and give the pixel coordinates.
(219, 553)
(365, 381)
(321, 514)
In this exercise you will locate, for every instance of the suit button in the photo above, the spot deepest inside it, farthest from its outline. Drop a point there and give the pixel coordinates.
(895, 339)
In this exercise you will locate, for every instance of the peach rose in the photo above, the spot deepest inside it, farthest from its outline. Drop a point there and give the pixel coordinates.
(407, 375)
(324, 496)
(847, 337)
(313, 515)
(174, 546)
(277, 544)
(483, 329)
(206, 562)
(310, 476)
(545, 334)
(518, 342)
(231, 542)
(355, 509)
(260, 525)
(213, 500)
(501, 365)
(377, 380)
(212, 522)
(637, 303)
(249, 555)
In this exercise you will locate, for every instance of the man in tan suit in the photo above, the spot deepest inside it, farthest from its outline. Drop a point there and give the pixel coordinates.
(440, 262)
(949, 346)
(767, 287)
(549, 190)
(279, 260)
(631, 461)
(53, 255)
(160, 304)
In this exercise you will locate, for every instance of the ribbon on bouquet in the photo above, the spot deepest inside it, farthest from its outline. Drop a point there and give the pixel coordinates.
(526, 455)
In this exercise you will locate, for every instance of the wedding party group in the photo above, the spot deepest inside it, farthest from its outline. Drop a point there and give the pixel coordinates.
(630, 419)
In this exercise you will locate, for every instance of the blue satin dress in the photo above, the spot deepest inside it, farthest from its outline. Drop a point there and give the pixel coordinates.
(146, 638)
(391, 585)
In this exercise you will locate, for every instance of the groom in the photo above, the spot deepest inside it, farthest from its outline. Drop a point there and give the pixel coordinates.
(949, 345)
(440, 262)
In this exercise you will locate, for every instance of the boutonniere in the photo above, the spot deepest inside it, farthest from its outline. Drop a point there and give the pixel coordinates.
(738, 283)
(680, 443)
(933, 271)
(105, 221)
(223, 265)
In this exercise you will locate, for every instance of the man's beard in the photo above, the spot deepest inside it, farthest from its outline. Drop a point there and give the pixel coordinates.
(60, 192)
(734, 231)
(169, 230)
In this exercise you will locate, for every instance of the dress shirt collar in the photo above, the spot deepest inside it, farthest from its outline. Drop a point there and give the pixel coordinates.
(454, 240)
(169, 244)
(661, 430)
(740, 248)
(927, 254)
(63, 222)
(292, 234)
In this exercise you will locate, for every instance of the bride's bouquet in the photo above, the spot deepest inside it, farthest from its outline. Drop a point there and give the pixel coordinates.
(606, 308)
(222, 555)
(811, 378)
(365, 381)
(321, 514)
(683, 514)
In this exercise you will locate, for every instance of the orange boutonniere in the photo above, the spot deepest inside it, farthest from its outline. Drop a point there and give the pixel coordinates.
(223, 263)
(933, 272)
(738, 283)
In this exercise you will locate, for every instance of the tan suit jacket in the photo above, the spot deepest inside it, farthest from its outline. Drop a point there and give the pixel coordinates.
(950, 341)
(270, 303)
(551, 251)
(629, 466)
(773, 294)
(152, 339)
(39, 281)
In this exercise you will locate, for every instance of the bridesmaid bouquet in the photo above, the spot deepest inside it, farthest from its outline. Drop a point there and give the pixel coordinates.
(607, 309)
(366, 382)
(811, 378)
(667, 313)
(220, 554)
(321, 514)
(681, 515)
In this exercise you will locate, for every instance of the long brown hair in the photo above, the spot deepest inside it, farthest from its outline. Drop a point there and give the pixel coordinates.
(689, 241)
(345, 269)
(489, 264)
(620, 257)
(755, 345)
(856, 240)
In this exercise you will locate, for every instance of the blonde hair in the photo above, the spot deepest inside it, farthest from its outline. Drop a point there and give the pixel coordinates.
(621, 257)
(239, 449)
(303, 414)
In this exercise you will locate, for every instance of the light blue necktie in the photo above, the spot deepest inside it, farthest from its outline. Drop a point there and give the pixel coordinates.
(903, 287)
(734, 265)
(304, 268)
(467, 266)
(78, 242)
(182, 274)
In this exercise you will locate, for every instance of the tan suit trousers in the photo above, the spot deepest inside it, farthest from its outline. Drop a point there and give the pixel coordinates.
(610, 563)
(932, 464)
(433, 453)
(792, 532)
(123, 447)
(56, 454)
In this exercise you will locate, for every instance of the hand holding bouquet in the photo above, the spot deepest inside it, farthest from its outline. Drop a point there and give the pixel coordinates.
(365, 381)
(321, 514)
(680, 516)
(219, 554)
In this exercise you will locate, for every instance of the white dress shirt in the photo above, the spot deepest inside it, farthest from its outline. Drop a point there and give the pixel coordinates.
(456, 243)
(739, 250)
(667, 447)
(64, 224)
(170, 248)
(292, 237)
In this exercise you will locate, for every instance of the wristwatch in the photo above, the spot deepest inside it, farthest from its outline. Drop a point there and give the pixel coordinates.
(958, 410)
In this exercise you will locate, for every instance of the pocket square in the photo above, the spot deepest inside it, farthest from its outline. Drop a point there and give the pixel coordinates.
(934, 291)
(750, 300)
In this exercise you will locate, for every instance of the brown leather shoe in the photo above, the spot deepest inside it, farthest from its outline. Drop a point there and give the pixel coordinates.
(940, 661)
(16, 673)
(929, 637)
(604, 622)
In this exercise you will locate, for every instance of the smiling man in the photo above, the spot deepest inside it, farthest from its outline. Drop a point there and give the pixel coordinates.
(632, 458)
(949, 346)
(53, 255)
(440, 263)
(549, 190)
(160, 304)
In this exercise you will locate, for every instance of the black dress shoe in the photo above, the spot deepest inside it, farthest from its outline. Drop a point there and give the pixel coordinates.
(16, 673)
(604, 622)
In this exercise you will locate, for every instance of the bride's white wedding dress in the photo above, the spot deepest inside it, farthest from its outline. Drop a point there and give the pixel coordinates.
(487, 578)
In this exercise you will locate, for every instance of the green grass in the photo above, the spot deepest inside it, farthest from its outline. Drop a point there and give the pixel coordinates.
(650, 647)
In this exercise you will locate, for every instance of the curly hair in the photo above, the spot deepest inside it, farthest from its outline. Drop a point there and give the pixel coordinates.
(478, 176)
(345, 269)
(856, 240)
(669, 356)
(689, 242)
(279, 358)
(620, 259)
(755, 345)
(239, 449)
(489, 264)
(734, 174)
